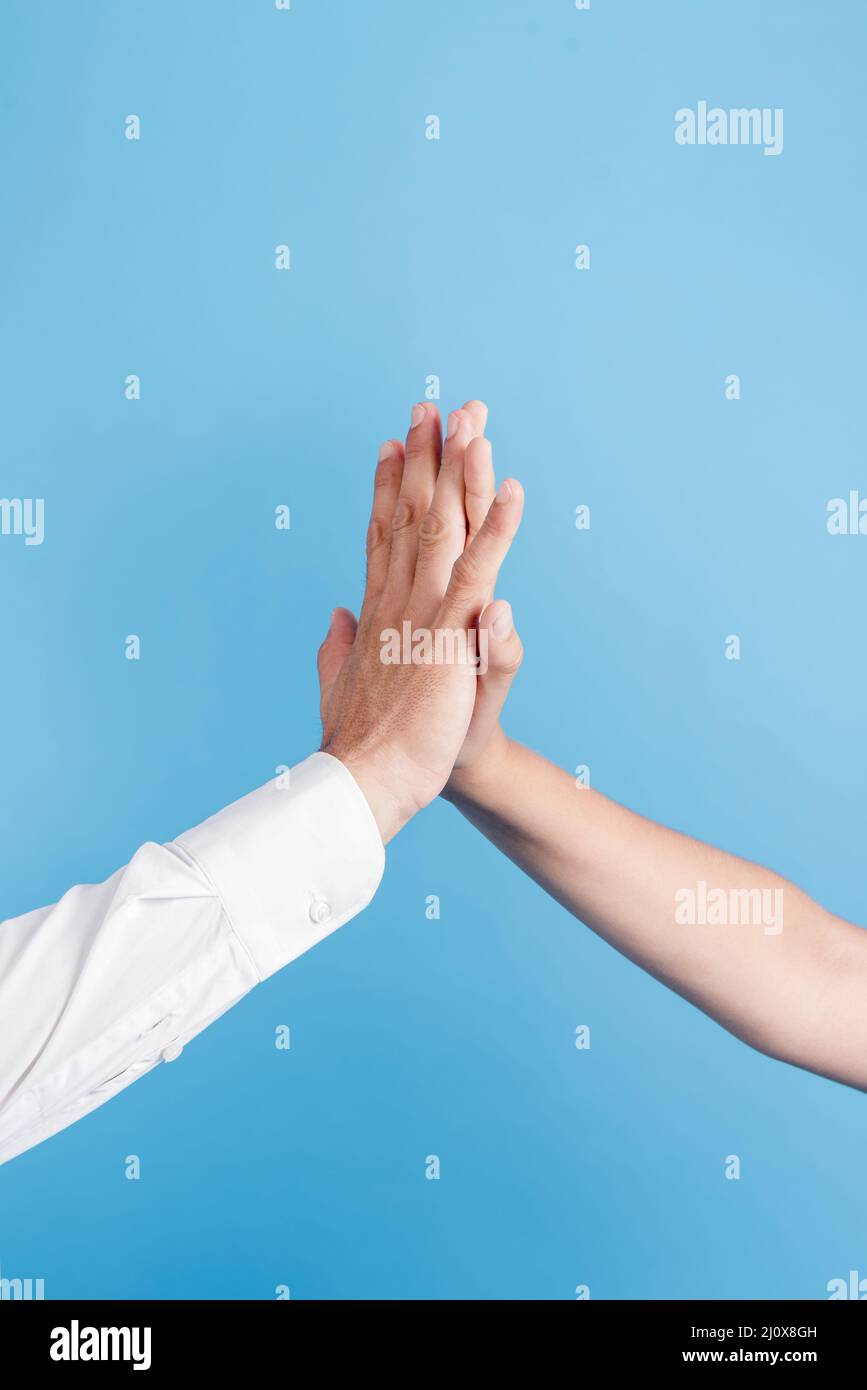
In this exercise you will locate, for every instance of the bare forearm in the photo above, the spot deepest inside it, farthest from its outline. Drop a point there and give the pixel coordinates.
(743, 944)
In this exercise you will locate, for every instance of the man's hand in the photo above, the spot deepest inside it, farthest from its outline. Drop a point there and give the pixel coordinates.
(436, 540)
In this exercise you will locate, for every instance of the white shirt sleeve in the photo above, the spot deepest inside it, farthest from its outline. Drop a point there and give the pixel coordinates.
(118, 976)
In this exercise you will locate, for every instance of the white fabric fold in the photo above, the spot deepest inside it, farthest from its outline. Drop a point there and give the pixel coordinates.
(115, 977)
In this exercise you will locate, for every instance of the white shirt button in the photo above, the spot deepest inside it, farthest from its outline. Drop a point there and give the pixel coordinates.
(320, 911)
(172, 1051)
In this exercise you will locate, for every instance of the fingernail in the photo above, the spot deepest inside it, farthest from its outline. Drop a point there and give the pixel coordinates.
(453, 421)
(385, 451)
(503, 625)
(504, 493)
(418, 414)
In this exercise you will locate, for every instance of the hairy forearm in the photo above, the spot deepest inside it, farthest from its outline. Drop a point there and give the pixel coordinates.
(738, 941)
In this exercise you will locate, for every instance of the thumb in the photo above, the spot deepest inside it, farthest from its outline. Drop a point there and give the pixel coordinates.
(501, 650)
(336, 647)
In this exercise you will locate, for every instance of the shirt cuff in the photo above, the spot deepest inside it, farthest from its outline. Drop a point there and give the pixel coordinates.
(292, 861)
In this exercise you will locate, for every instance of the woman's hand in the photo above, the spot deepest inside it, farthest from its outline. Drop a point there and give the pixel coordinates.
(485, 745)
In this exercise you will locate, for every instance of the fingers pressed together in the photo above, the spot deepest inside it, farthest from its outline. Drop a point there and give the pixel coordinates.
(439, 530)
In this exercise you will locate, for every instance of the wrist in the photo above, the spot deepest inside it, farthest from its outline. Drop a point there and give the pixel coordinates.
(383, 804)
(477, 781)
(394, 788)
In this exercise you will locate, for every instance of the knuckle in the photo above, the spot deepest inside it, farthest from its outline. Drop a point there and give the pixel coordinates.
(405, 514)
(465, 573)
(377, 536)
(434, 529)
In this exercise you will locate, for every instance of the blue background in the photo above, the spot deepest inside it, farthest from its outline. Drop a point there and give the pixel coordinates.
(412, 257)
